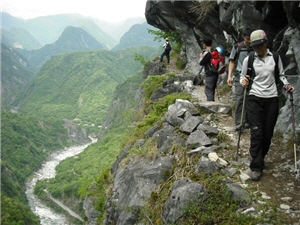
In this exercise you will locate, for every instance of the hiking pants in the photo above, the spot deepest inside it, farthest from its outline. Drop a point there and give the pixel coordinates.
(262, 115)
(167, 54)
(239, 98)
(210, 86)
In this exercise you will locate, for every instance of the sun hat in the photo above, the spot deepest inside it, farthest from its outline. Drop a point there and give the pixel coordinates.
(258, 37)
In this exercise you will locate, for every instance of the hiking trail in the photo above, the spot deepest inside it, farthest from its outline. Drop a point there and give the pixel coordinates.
(279, 183)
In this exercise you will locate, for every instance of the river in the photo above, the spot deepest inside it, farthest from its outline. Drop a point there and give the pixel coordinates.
(47, 215)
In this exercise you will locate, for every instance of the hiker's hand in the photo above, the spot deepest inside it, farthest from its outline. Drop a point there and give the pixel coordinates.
(201, 54)
(229, 81)
(288, 88)
(245, 81)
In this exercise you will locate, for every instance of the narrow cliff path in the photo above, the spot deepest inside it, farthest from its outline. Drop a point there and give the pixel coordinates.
(279, 183)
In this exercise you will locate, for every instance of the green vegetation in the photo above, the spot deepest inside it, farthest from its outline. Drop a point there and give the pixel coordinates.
(14, 75)
(25, 144)
(79, 176)
(174, 39)
(79, 85)
(14, 212)
(137, 36)
(82, 86)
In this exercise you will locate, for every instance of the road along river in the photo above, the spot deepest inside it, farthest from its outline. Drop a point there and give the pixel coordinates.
(47, 215)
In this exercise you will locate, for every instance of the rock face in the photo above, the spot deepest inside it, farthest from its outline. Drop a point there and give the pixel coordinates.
(224, 24)
(134, 183)
(133, 186)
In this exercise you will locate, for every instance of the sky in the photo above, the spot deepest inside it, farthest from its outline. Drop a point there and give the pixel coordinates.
(108, 10)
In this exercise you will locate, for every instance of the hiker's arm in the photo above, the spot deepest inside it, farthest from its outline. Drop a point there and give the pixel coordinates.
(205, 58)
(230, 72)
(244, 78)
(286, 85)
(231, 64)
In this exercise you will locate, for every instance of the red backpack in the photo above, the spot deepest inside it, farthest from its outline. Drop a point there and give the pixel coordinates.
(217, 62)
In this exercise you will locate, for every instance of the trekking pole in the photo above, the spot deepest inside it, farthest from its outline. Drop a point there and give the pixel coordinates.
(294, 132)
(241, 123)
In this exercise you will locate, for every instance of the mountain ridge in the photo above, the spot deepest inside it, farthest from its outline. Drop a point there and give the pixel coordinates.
(47, 29)
(72, 39)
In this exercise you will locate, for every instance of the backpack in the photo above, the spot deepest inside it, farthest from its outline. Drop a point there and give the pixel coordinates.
(251, 72)
(217, 62)
(168, 47)
(240, 49)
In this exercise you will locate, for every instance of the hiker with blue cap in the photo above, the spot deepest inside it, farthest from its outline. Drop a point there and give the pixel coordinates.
(261, 72)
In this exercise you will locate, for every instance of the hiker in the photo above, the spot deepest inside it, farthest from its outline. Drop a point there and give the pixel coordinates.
(238, 53)
(211, 78)
(262, 103)
(167, 50)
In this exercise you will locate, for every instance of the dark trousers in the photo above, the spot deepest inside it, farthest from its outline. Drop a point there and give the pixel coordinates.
(239, 98)
(210, 86)
(262, 115)
(167, 54)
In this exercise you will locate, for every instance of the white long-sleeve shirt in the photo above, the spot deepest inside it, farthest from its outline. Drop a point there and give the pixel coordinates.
(264, 85)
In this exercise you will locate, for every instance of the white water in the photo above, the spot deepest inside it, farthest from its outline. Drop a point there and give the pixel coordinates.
(47, 215)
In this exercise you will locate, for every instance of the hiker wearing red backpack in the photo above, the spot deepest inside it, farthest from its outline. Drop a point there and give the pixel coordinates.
(213, 63)
(261, 72)
(238, 53)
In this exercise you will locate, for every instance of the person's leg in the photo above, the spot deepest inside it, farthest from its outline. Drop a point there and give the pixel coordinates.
(270, 118)
(162, 56)
(255, 110)
(210, 87)
(239, 97)
(168, 57)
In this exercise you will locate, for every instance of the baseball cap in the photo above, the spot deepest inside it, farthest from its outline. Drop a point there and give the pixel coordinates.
(258, 37)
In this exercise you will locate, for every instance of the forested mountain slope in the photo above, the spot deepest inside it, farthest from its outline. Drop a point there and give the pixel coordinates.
(137, 35)
(25, 143)
(19, 38)
(72, 39)
(79, 85)
(14, 75)
(93, 164)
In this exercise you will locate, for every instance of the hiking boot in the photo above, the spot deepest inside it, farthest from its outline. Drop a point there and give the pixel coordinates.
(255, 175)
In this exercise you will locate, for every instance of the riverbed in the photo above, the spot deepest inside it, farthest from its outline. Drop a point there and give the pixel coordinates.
(47, 215)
